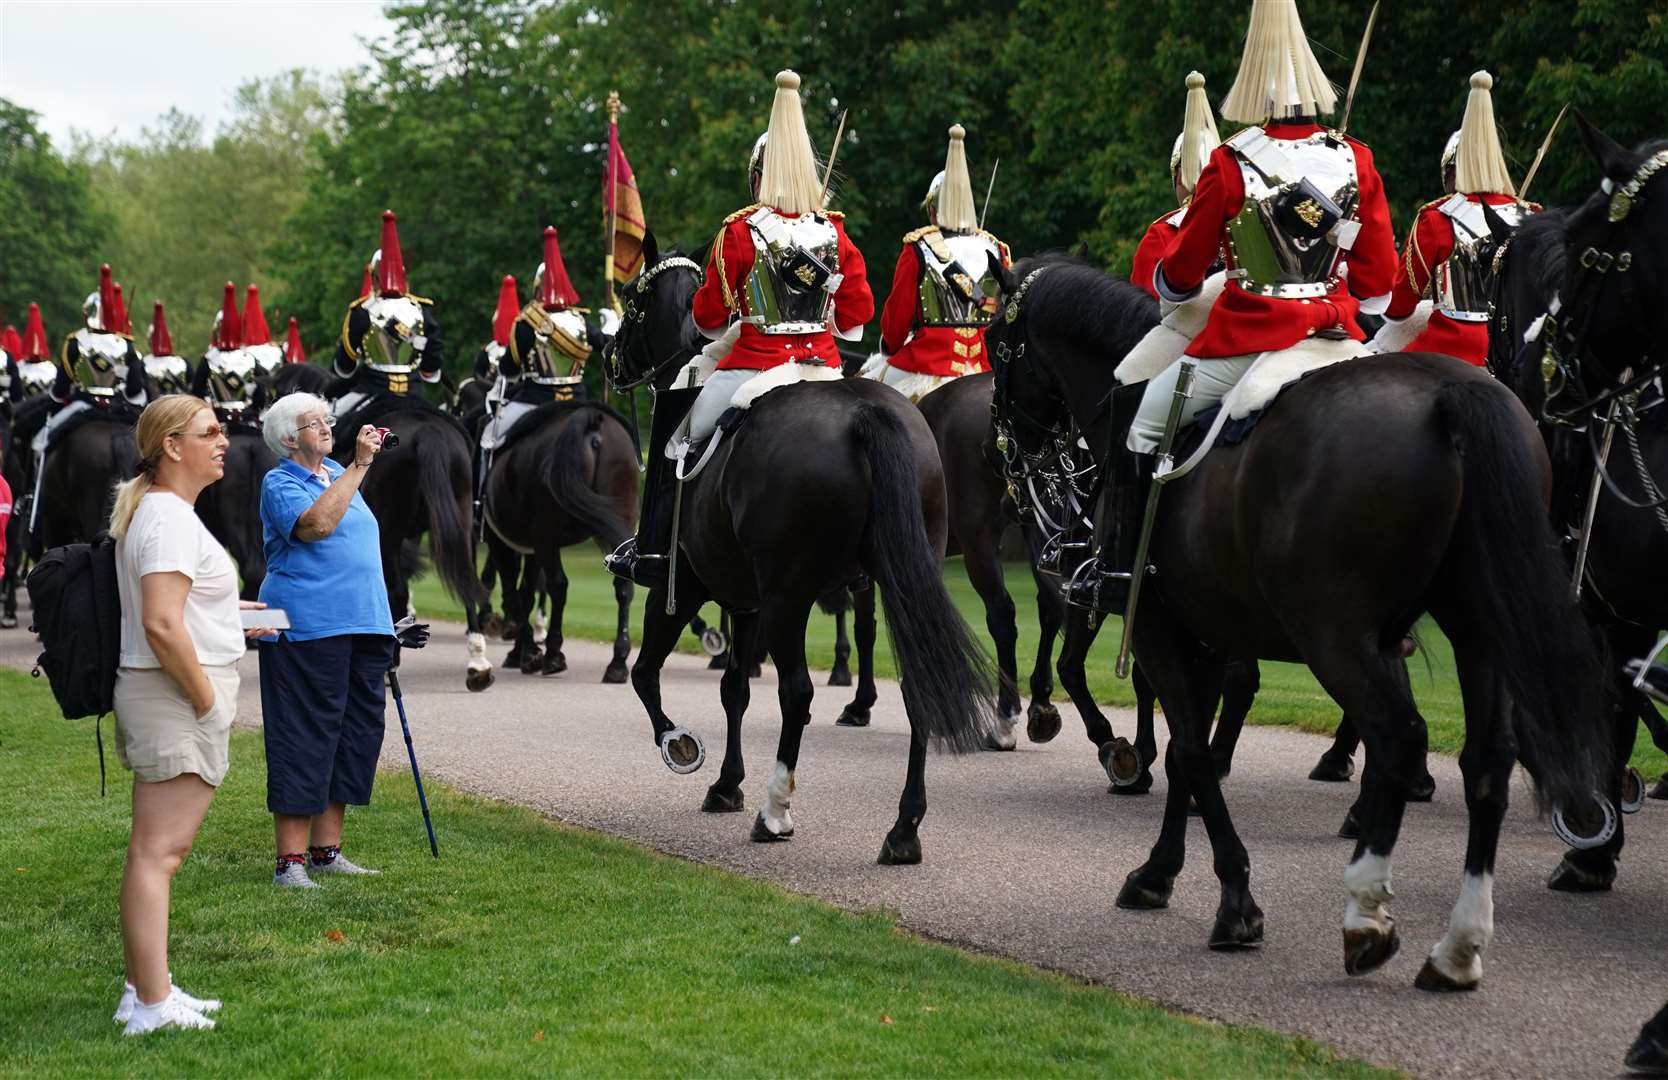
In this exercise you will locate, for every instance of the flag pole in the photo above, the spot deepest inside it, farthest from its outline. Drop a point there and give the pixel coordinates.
(611, 204)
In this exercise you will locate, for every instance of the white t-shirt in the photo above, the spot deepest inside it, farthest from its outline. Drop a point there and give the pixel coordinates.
(167, 536)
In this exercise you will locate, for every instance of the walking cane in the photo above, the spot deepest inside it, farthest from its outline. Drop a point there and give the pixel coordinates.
(403, 631)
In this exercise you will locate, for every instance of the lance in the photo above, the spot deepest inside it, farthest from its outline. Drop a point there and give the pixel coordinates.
(1360, 61)
(1540, 155)
(988, 189)
(833, 152)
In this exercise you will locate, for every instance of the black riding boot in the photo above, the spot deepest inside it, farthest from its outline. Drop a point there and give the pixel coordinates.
(1104, 587)
(644, 558)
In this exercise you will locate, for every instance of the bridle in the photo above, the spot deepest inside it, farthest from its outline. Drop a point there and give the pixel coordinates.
(634, 310)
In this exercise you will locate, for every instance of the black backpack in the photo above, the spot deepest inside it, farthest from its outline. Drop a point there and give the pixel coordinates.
(78, 615)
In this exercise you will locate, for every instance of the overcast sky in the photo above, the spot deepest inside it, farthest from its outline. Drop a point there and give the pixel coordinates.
(107, 66)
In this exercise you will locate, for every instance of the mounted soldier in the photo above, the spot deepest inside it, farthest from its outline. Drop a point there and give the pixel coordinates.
(389, 334)
(294, 352)
(549, 343)
(485, 386)
(164, 373)
(1444, 259)
(30, 365)
(1187, 160)
(257, 336)
(782, 280)
(226, 374)
(932, 329)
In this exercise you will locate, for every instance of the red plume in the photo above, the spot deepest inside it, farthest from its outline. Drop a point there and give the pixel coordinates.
(10, 342)
(162, 342)
(509, 306)
(230, 334)
(123, 323)
(34, 336)
(107, 300)
(390, 273)
(293, 352)
(255, 330)
(557, 291)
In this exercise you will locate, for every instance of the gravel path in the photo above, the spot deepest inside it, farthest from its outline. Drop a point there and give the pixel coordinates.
(1025, 852)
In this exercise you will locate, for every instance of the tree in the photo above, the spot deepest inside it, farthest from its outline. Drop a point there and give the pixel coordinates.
(48, 226)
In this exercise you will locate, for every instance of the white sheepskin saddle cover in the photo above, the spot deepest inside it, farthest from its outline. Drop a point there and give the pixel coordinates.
(1396, 335)
(779, 376)
(1274, 371)
(911, 384)
(1166, 342)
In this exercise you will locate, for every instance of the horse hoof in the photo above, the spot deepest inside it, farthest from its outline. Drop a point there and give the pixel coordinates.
(839, 677)
(719, 801)
(1368, 949)
(510, 630)
(1042, 723)
(477, 681)
(1568, 877)
(1141, 893)
(492, 625)
(1142, 785)
(1660, 790)
(1351, 828)
(554, 664)
(1001, 737)
(1588, 827)
(1333, 768)
(1121, 762)
(900, 851)
(761, 832)
(1432, 978)
(1633, 791)
(8, 622)
(852, 716)
(1423, 789)
(682, 750)
(1236, 930)
(616, 673)
(530, 666)
(1646, 1057)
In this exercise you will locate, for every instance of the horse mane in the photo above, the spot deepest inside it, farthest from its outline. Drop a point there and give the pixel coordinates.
(1083, 304)
(1542, 236)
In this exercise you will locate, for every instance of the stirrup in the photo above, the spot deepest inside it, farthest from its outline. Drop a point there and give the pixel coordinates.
(1097, 589)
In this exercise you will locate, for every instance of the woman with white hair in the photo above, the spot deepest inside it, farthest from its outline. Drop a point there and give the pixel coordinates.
(322, 694)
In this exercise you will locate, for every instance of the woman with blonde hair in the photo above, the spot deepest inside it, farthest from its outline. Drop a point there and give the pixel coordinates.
(176, 686)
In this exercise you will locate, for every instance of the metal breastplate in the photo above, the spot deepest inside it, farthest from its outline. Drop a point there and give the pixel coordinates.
(957, 287)
(106, 357)
(395, 320)
(36, 375)
(170, 374)
(1463, 282)
(1298, 218)
(231, 377)
(792, 257)
(269, 358)
(561, 345)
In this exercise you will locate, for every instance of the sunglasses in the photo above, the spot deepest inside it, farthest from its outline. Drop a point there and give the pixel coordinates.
(213, 432)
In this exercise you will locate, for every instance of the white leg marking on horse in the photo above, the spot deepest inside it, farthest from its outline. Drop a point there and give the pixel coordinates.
(1368, 882)
(1002, 732)
(477, 653)
(777, 796)
(1459, 955)
(540, 625)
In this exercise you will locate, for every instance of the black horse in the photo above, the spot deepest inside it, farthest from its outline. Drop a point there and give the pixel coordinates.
(565, 473)
(1602, 334)
(88, 457)
(821, 484)
(11, 469)
(1371, 492)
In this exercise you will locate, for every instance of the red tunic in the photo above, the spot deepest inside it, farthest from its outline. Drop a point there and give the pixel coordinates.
(1241, 322)
(946, 351)
(724, 293)
(1159, 236)
(1431, 242)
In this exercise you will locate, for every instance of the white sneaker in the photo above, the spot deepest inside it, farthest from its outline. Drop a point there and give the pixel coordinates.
(170, 1012)
(294, 876)
(339, 865)
(130, 998)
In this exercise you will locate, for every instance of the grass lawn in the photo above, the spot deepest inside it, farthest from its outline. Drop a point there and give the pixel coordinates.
(528, 948)
(1289, 693)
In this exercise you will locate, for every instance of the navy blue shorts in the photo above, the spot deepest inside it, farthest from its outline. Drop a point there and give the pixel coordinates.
(322, 705)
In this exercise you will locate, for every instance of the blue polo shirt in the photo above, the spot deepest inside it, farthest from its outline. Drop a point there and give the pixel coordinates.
(331, 586)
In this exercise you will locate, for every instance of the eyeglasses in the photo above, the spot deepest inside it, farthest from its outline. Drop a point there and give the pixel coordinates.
(211, 433)
(322, 425)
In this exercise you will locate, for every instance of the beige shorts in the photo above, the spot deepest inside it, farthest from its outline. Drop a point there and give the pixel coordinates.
(158, 734)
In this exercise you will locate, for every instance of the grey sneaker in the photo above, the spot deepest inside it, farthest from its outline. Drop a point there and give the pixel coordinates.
(294, 876)
(340, 865)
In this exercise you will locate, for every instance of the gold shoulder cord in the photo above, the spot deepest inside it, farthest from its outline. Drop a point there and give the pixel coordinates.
(63, 357)
(347, 343)
(718, 265)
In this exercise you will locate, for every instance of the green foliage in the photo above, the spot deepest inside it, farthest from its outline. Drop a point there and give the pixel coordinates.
(50, 230)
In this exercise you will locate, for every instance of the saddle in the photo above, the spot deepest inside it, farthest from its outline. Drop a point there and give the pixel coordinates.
(378, 406)
(115, 410)
(533, 421)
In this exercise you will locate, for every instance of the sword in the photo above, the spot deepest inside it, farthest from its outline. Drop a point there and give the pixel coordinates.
(833, 152)
(1184, 390)
(1593, 495)
(1360, 61)
(988, 188)
(1540, 155)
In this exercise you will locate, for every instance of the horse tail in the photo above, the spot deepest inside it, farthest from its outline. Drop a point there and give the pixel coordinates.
(1515, 597)
(567, 468)
(945, 675)
(454, 552)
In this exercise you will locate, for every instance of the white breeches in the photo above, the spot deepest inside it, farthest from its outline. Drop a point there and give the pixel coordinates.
(715, 397)
(1212, 379)
(911, 384)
